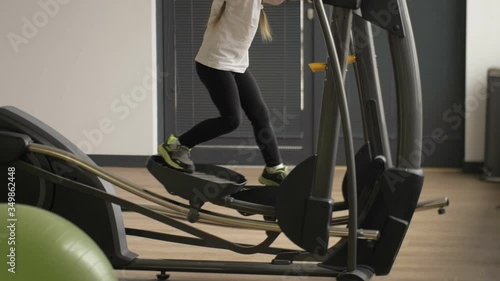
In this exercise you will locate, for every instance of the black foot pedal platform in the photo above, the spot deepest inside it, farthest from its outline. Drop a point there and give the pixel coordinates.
(209, 183)
(263, 195)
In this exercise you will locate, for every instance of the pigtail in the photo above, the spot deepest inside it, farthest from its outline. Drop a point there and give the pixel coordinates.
(265, 29)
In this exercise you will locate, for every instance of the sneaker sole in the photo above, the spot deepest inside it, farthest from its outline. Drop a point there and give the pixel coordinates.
(163, 152)
(267, 182)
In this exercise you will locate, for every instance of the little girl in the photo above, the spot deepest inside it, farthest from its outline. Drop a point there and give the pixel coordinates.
(222, 66)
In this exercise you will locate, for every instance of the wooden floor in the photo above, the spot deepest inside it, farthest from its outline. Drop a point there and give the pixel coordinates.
(462, 245)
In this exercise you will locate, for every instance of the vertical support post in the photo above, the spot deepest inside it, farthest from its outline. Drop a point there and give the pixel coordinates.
(409, 94)
(370, 90)
(322, 185)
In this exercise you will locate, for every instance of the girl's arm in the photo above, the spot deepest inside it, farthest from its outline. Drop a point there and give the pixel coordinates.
(274, 2)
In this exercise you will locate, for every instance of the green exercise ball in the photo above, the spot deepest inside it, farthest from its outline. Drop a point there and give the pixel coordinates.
(48, 248)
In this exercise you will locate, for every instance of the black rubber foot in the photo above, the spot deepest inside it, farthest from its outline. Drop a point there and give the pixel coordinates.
(193, 215)
(162, 276)
(360, 274)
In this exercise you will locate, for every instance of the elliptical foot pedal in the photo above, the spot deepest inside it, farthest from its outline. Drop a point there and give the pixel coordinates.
(210, 183)
(264, 195)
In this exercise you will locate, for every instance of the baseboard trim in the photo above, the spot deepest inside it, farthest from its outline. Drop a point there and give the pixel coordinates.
(126, 161)
(472, 167)
(130, 161)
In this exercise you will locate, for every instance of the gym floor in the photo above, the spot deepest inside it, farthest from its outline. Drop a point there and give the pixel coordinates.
(462, 245)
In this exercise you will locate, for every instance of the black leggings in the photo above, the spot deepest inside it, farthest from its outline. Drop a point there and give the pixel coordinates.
(230, 93)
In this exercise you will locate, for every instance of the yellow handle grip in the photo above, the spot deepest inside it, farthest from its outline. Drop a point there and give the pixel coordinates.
(317, 66)
(321, 66)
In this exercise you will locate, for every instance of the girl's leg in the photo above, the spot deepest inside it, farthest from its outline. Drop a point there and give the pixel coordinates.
(223, 91)
(257, 112)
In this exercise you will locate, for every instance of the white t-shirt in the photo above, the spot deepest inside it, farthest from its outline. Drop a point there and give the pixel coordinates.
(225, 45)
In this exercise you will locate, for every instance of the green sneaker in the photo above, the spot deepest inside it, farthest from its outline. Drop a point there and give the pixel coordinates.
(273, 178)
(176, 155)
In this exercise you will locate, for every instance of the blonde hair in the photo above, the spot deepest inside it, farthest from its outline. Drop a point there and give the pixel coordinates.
(265, 28)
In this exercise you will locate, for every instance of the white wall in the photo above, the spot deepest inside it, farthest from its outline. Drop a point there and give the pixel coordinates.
(483, 52)
(84, 67)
